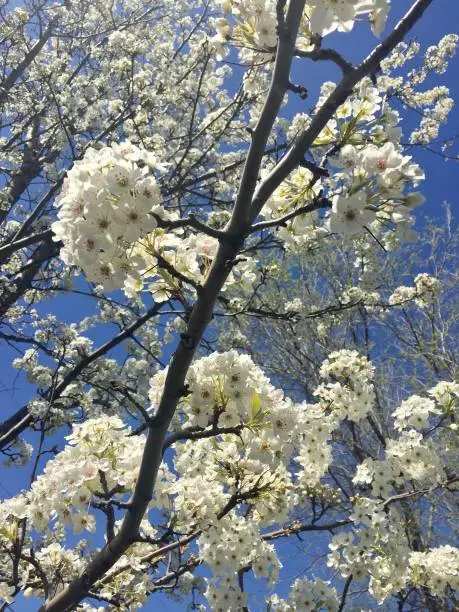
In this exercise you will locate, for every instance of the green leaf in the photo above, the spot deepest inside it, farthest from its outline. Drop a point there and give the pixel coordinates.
(256, 404)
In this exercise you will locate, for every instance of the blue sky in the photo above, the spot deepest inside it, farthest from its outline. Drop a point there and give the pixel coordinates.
(441, 184)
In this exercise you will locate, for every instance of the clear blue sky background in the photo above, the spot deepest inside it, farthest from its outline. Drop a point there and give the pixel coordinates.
(441, 184)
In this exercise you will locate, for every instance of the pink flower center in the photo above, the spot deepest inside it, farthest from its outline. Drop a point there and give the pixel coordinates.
(77, 208)
(90, 472)
(382, 164)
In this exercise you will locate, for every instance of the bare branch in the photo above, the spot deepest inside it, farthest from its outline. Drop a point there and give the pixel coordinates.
(12, 247)
(190, 221)
(13, 76)
(345, 592)
(329, 55)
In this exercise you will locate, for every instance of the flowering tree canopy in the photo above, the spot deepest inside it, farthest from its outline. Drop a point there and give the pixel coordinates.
(237, 353)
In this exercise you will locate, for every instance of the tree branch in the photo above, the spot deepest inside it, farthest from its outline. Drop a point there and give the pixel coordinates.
(281, 221)
(199, 319)
(12, 247)
(300, 528)
(326, 55)
(345, 592)
(22, 419)
(13, 76)
(248, 204)
(370, 65)
(190, 221)
(42, 254)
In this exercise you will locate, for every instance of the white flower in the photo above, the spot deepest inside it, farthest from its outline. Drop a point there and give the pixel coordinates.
(379, 15)
(414, 199)
(6, 592)
(349, 157)
(414, 412)
(349, 214)
(445, 393)
(382, 161)
(329, 15)
(308, 595)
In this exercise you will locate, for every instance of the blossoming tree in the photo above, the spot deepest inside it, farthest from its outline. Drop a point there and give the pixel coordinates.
(158, 162)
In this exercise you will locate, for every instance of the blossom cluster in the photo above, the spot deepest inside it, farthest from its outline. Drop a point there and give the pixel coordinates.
(254, 24)
(100, 455)
(408, 457)
(436, 569)
(308, 595)
(191, 256)
(411, 455)
(350, 396)
(374, 177)
(446, 394)
(433, 104)
(256, 433)
(237, 430)
(370, 187)
(233, 544)
(414, 412)
(424, 290)
(56, 563)
(378, 546)
(255, 427)
(108, 214)
(105, 206)
(98, 466)
(225, 389)
(330, 15)
(351, 393)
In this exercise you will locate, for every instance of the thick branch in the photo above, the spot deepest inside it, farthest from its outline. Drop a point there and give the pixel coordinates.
(22, 66)
(23, 283)
(370, 65)
(199, 319)
(326, 55)
(279, 85)
(12, 247)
